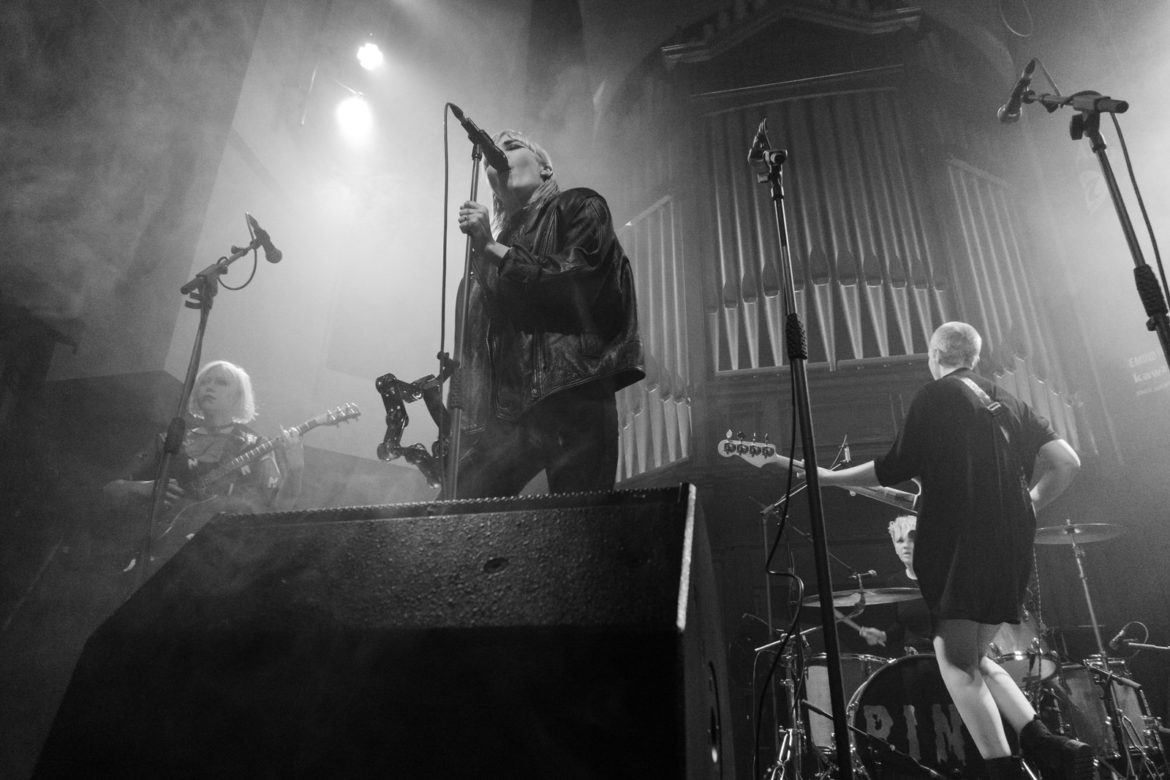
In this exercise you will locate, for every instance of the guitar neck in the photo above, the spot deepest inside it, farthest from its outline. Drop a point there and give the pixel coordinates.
(764, 453)
(899, 499)
(244, 458)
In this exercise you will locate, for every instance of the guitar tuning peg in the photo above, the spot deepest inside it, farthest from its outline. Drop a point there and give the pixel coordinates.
(739, 435)
(766, 438)
(729, 434)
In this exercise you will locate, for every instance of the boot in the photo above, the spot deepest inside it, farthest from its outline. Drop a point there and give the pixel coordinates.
(1008, 768)
(1069, 759)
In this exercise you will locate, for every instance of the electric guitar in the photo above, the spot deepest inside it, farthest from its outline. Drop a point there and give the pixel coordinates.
(203, 493)
(761, 453)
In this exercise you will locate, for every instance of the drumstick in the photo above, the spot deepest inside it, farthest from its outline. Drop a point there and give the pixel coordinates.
(842, 619)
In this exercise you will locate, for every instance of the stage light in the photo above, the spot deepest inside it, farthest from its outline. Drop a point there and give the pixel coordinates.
(355, 119)
(370, 56)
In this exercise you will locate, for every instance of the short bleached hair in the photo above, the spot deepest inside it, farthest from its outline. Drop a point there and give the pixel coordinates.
(245, 408)
(957, 344)
(902, 525)
(548, 187)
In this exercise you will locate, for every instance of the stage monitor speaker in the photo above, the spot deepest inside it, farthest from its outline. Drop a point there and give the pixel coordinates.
(572, 636)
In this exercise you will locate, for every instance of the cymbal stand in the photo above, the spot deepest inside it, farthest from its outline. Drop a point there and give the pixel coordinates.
(1125, 738)
(791, 743)
(790, 752)
(1079, 555)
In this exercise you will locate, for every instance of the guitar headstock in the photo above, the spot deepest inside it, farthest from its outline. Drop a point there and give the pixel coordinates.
(339, 415)
(754, 451)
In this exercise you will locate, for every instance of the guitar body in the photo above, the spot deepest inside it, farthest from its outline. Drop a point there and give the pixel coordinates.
(217, 485)
(186, 517)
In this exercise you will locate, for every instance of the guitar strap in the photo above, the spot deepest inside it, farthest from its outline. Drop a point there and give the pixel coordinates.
(998, 414)
(997, 411)
(994, 408)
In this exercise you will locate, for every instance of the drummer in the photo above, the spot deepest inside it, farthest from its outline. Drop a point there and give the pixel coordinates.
(910, 633)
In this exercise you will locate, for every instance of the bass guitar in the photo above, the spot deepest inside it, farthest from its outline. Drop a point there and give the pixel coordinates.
(762, 453)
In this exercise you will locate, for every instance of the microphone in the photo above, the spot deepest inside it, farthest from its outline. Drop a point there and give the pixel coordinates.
(1010, 111)
(494, 154)
(271, 253)
(760, 142)
(1119, 641)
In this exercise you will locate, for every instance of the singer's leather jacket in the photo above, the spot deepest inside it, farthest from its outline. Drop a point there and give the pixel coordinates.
(558, 311)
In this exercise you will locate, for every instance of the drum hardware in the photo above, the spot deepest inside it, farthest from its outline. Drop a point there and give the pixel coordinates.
(1074, 535)
(862, 597)
(1082, 693)
(1112, 731)
(1023, 654)
(895, 759)
(855, 670)
(902, 722)
(1084, 533)
(906, 705)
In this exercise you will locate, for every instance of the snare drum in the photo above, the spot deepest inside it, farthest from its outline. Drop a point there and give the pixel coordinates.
(855, 670)
(906, 704)
(1023, 653)
(1080, 700)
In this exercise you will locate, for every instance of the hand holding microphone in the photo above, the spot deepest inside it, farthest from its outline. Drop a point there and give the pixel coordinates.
(476, 223)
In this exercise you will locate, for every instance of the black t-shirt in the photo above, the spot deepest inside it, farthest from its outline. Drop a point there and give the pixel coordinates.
(911, 628)
(976, 525)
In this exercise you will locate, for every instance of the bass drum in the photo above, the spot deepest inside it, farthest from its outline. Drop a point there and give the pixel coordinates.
(1022, 652)
(906, 704)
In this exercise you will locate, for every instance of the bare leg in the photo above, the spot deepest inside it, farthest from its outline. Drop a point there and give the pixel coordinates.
(1009, 699)
(959, 647)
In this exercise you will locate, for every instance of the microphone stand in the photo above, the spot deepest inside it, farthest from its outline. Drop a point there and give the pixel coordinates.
(1144, 646)
(1088, 123)
(455, 418)
(202, 289)
(773, 161)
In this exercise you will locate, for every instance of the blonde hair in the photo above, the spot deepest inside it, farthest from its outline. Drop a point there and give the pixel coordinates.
(245, 409)
(902, 525)
(957, 344)
(547, 188)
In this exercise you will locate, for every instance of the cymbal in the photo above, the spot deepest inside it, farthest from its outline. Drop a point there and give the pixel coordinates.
(1078, 534)
(873, 597)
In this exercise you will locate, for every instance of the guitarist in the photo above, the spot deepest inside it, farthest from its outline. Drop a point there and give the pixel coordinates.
(986, 463)
(222, 404)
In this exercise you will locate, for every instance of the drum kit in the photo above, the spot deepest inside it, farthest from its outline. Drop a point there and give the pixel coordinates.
(903, 723)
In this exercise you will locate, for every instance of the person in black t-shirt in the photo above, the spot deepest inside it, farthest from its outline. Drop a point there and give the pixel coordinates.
(986, 463)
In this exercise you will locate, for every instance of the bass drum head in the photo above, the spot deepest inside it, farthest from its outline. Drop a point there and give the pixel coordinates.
(906, 704)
